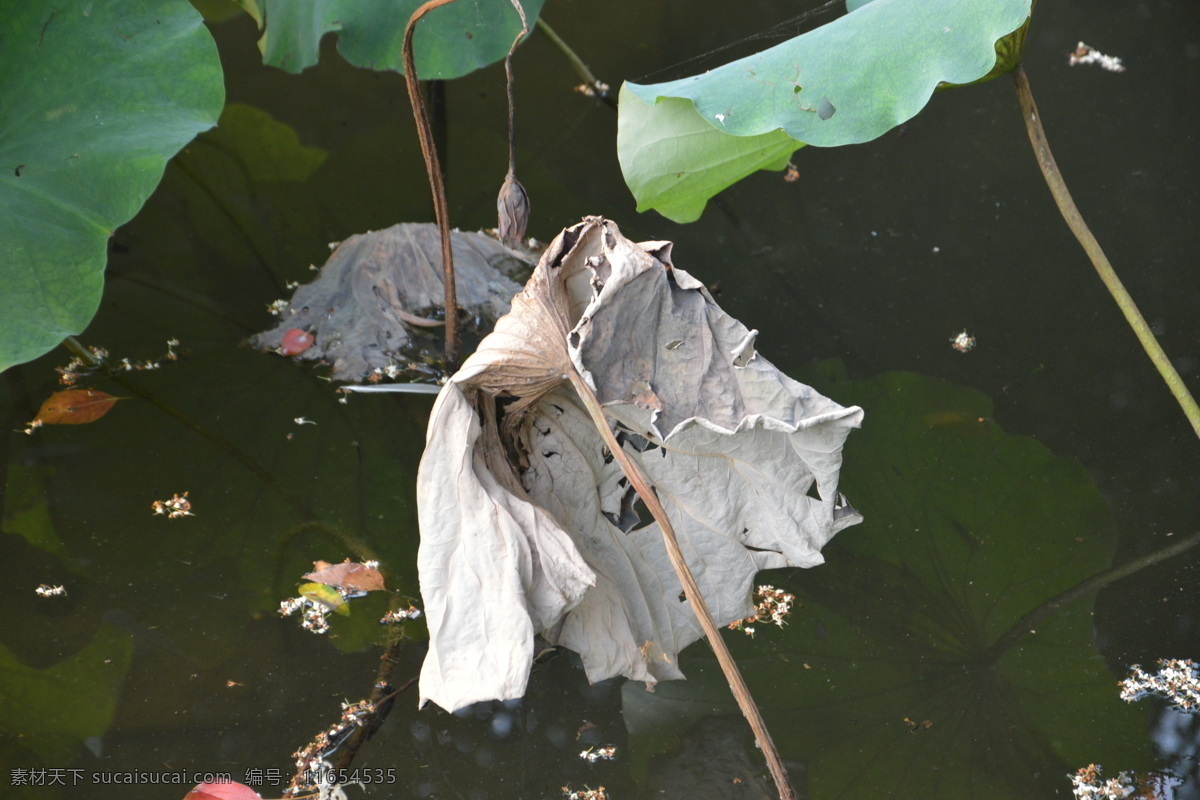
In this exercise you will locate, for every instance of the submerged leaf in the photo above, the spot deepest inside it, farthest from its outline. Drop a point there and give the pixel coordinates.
(75, 407)
(52, 711)
(528, 525)
(895, 678)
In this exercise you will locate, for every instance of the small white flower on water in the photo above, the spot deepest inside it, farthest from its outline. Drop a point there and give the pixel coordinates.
(963, 342)
(593, 754)
(1089, 55)
(1178, 680)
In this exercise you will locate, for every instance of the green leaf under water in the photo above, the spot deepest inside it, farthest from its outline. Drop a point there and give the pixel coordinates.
(26, 510)
(53, 710)
(94, 98)
(885, 680)
(846, 82)
(449, 42)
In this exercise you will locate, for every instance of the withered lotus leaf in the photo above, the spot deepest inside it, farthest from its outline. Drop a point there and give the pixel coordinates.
(529, 526)
(364, 311)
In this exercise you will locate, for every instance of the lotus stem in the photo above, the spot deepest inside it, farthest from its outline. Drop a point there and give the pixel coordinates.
(508, 76)
(691, 590)
(1030, 621)
(595, 86)
(436, 184)
(1066, 206)
(512, 204)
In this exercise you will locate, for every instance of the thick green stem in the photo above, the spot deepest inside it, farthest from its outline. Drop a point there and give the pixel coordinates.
(436, 185)
(1066, 206)
(641, 484)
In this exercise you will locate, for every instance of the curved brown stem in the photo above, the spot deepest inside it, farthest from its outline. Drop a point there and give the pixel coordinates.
(512, 127)
(436, 184)
(691, 590)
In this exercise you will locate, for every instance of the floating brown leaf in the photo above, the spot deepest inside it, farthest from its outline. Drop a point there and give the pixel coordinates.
(74, 407)
(347, 575)
(528, 524)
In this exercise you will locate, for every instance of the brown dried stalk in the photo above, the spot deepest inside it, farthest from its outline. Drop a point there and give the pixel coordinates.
(692, 591)
(437, 186)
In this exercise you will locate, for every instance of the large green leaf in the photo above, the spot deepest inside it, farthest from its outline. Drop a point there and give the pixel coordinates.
(94, 98)
(966, 530)
(659, 147)
(845, 82)
(449, 42)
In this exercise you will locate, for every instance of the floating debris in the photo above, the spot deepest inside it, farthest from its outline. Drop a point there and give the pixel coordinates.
(1089, 785)
(593, 754)
(774, 605)
(963, 342)
(1089, 55)
(400, 615)
(174, 508)
(1177, 680)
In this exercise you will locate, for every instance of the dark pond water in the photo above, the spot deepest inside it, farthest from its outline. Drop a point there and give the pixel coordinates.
(874, 258)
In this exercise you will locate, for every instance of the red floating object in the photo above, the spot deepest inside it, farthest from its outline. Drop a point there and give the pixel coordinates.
(295, 342)
(223, 791)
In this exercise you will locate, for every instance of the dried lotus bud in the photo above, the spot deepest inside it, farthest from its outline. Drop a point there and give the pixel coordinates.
(513, 208)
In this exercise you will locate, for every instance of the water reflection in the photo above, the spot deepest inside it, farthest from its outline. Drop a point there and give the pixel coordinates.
(116, 695)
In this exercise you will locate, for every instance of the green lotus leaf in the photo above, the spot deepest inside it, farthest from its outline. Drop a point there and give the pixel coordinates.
(674, 161)
(846, 82)
(449, 42)
(96, 96)
(894, 676)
